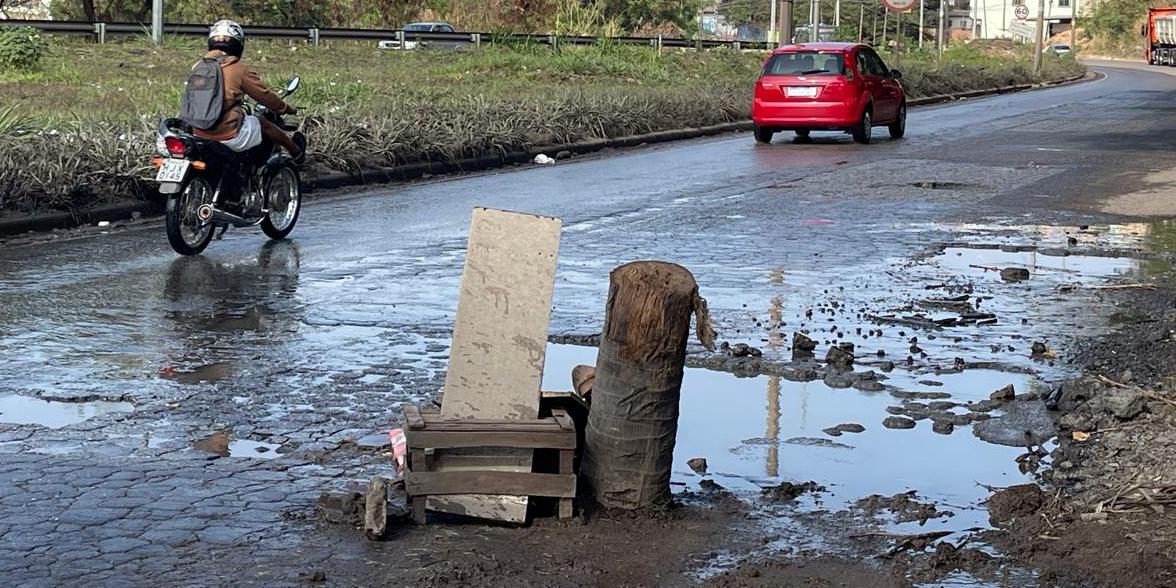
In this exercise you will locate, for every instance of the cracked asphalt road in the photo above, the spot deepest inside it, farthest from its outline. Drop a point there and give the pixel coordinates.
(314, 343)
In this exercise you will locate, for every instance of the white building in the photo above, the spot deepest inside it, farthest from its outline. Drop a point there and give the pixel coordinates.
(999, 19)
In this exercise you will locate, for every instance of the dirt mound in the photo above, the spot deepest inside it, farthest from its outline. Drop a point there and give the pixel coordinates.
(1015, 502)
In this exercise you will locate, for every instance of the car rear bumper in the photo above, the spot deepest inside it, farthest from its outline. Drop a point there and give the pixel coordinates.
(804, 115)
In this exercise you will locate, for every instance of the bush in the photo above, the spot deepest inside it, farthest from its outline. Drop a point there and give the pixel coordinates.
(21, 48)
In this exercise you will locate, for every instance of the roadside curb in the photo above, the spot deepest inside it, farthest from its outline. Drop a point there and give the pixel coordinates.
(417, 170)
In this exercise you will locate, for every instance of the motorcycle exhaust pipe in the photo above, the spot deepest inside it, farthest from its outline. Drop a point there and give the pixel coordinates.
(207, 213)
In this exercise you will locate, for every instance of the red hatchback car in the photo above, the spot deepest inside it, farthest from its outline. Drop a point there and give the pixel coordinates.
(828, 87)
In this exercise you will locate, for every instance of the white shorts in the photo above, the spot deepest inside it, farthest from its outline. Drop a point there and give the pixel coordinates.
(248, 136)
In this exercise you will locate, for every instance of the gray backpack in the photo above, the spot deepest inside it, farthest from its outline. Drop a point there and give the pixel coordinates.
(204, 95)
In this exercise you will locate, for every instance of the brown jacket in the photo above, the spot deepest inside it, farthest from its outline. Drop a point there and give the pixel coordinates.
(240, 80)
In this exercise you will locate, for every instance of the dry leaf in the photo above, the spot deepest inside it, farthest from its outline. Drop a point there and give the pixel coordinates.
(1080, 435)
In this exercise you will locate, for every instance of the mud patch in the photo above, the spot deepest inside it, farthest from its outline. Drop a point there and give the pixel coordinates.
(903, 507)
(24, 410)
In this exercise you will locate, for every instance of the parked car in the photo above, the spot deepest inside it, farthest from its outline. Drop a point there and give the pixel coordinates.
(828, 87)
(1058, 49)
(424, 27)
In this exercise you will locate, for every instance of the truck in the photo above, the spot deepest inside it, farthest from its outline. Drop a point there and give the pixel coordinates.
(1159, 34)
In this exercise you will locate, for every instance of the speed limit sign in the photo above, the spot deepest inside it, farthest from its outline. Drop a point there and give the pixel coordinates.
(899, 5)
(1022, 12)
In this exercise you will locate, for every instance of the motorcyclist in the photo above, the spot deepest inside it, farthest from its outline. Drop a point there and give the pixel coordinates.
(237, 130)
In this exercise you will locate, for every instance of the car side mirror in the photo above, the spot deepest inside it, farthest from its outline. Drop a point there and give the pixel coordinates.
(293, 84)
(894, 73)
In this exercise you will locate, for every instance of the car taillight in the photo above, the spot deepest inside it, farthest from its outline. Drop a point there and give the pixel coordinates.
(175, 145)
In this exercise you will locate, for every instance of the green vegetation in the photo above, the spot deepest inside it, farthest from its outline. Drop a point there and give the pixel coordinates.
(79, 128)
(21, 48)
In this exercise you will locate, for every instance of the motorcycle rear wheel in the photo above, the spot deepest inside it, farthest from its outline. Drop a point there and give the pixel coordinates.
(185, 232)
(283, 194)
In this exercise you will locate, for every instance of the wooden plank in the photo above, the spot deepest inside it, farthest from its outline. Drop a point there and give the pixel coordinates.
(500, 338)
(565, 422)
(566, 461)
(489, 482)
(450, 439)
(412, 416)
(565, 508)
(537, 425)
(419, 514)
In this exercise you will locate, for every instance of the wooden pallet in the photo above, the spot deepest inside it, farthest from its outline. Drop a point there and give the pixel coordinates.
(430, 431)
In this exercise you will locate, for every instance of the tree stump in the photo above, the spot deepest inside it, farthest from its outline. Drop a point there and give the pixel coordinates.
(633, 423)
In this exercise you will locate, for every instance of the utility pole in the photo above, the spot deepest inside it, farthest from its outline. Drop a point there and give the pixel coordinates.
(940, 38)
(874, 31)
(772, 22)
(1074, 25)
(814, 20)
(1037, 36)
(921, 21)
(861, 20)
(156, 21)
(885, 21)
(785, 22)
(837, 13)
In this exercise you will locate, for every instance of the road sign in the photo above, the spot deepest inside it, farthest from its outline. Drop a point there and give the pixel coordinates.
(899, 5)
(1022, 12)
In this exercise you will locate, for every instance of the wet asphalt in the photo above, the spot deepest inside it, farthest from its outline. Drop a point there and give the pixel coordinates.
(314, 343)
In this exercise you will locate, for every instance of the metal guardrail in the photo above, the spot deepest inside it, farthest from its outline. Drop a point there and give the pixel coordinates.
(100, 31)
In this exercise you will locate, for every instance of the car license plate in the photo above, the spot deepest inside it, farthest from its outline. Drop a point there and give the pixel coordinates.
(800, 91)
(173, 170)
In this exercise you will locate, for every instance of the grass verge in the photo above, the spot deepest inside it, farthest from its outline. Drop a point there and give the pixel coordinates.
(79, 130)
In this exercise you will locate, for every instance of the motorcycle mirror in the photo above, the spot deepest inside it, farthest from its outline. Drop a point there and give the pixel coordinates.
(293, 84)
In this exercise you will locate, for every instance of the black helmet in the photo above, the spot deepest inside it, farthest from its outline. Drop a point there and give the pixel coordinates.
(227, 36)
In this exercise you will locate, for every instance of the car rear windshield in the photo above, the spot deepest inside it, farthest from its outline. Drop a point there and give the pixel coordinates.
(808, 63)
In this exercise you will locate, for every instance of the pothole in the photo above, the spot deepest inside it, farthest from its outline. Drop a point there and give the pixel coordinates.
(223, 444)
(26, 410)
(757, 432)
(941, 185)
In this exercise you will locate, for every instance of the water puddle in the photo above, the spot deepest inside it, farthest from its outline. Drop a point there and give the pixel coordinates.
(761, 431)
(213, 372)
(26, 410)
(988, 263)
(224, 445)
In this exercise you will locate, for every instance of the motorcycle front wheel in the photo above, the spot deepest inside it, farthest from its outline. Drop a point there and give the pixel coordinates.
(186, 233)
(283, 193)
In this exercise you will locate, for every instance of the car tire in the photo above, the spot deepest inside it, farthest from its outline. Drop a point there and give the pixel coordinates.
(764, 135)
(898, 127)
(861, 131)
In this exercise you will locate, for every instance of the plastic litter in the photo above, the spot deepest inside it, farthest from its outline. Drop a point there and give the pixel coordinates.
(542, 159)
(399, 448)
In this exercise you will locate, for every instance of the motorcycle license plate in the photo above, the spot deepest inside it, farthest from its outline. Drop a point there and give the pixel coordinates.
(173, 170)
(800, 91)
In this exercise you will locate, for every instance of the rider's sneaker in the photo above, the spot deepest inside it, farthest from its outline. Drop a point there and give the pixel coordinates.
(300, 141)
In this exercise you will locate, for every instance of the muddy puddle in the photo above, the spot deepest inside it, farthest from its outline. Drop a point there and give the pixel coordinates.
(760, 431)
(26, 410)
(223, 444)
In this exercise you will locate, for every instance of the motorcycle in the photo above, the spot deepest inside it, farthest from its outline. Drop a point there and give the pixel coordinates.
(209, 186)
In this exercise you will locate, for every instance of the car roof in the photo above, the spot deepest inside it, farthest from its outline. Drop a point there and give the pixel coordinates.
(431, 23)
(822, 46)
